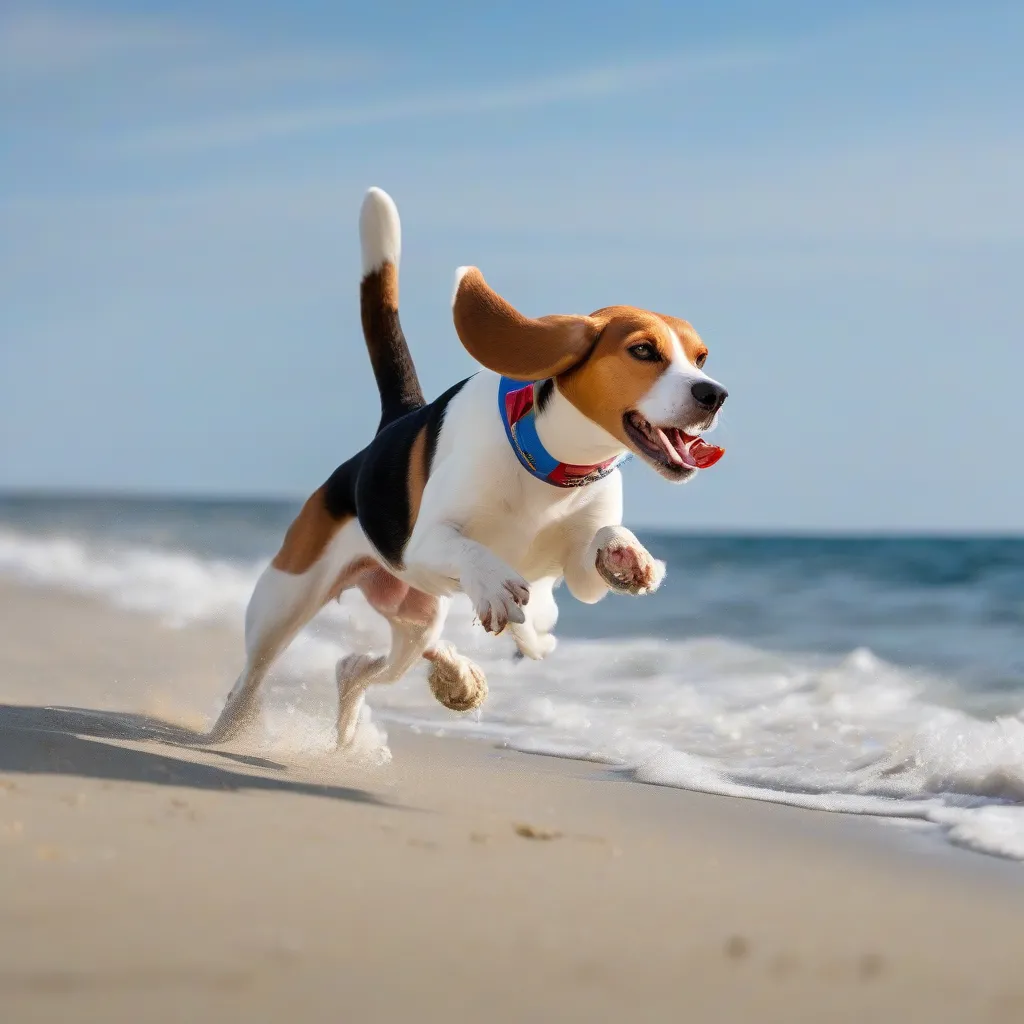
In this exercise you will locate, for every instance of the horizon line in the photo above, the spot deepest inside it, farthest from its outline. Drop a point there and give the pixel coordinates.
(699, 530)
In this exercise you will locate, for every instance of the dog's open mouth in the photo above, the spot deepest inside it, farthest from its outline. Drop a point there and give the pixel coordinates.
(670, 446)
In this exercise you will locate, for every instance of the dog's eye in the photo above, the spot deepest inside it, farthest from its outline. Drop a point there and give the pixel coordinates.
(645, 352)
(701, 360)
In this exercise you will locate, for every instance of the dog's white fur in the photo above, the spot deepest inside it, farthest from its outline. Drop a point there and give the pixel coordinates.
(380, 231)
(485, 527)
(671, 398)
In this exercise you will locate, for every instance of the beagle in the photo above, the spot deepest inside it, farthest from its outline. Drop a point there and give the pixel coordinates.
(501, 487)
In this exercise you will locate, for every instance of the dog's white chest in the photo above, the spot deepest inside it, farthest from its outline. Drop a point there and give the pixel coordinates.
(523, 524)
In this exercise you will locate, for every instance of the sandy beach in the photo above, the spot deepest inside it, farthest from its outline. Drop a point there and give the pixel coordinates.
(143, 879)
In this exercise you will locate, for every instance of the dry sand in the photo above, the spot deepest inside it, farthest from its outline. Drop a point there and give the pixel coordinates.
(142, 880)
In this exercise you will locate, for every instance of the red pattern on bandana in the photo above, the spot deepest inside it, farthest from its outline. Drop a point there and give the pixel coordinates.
(518, 404)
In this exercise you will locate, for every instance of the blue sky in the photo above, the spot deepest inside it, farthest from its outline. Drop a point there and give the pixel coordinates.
(831, 193)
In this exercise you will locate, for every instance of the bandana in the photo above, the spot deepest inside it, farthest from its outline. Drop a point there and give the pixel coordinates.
(515, 406)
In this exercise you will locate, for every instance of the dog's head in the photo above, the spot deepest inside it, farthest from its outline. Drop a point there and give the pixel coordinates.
(637, 375)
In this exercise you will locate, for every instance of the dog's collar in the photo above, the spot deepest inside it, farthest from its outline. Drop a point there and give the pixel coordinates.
(515, 406)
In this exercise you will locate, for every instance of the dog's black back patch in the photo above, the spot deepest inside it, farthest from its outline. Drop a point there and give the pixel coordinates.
(391, 473)
(340, 488)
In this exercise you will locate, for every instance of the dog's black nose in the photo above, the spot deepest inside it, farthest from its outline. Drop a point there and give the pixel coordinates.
(708, 395)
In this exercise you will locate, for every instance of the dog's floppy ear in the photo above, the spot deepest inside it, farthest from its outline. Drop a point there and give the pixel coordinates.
(502, 339)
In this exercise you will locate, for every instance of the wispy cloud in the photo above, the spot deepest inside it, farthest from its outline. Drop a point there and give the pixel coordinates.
(248, 72)
(582, 85)
(59, 48)
(184, 86)
(37, 42)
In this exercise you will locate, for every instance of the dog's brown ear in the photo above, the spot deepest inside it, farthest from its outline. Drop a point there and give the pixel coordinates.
(502, 339)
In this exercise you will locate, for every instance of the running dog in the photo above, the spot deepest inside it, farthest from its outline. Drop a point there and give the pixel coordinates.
(501, 487)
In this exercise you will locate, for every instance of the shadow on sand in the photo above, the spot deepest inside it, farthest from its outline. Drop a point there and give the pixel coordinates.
(71, 741)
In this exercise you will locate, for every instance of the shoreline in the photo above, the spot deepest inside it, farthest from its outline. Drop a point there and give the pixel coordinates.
(206, 657)
(459, 882)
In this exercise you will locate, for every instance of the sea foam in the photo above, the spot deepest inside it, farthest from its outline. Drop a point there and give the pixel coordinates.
(851, 733)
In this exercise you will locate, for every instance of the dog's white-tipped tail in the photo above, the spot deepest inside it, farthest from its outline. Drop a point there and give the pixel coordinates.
(380, 231)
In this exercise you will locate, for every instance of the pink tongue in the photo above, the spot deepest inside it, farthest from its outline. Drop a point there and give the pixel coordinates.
(687, 450)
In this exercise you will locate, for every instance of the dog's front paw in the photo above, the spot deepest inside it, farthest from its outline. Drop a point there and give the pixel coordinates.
(626, 565)
(498, 598)
(537, 648)
(497, 609)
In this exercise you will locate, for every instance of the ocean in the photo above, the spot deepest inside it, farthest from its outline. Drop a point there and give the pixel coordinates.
(880, 675)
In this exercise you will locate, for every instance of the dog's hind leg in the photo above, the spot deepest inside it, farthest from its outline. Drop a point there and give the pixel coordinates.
(457, 683)
(416, 621)
(280, 606)
(454, 680)
(284, 601)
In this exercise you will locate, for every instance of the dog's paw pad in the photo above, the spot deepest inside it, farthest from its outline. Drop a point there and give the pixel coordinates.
(628, 568)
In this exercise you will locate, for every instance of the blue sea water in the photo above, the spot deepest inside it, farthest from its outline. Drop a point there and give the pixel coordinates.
(880, 675)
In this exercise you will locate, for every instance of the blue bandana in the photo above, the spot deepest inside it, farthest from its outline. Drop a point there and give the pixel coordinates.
(515, 406)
